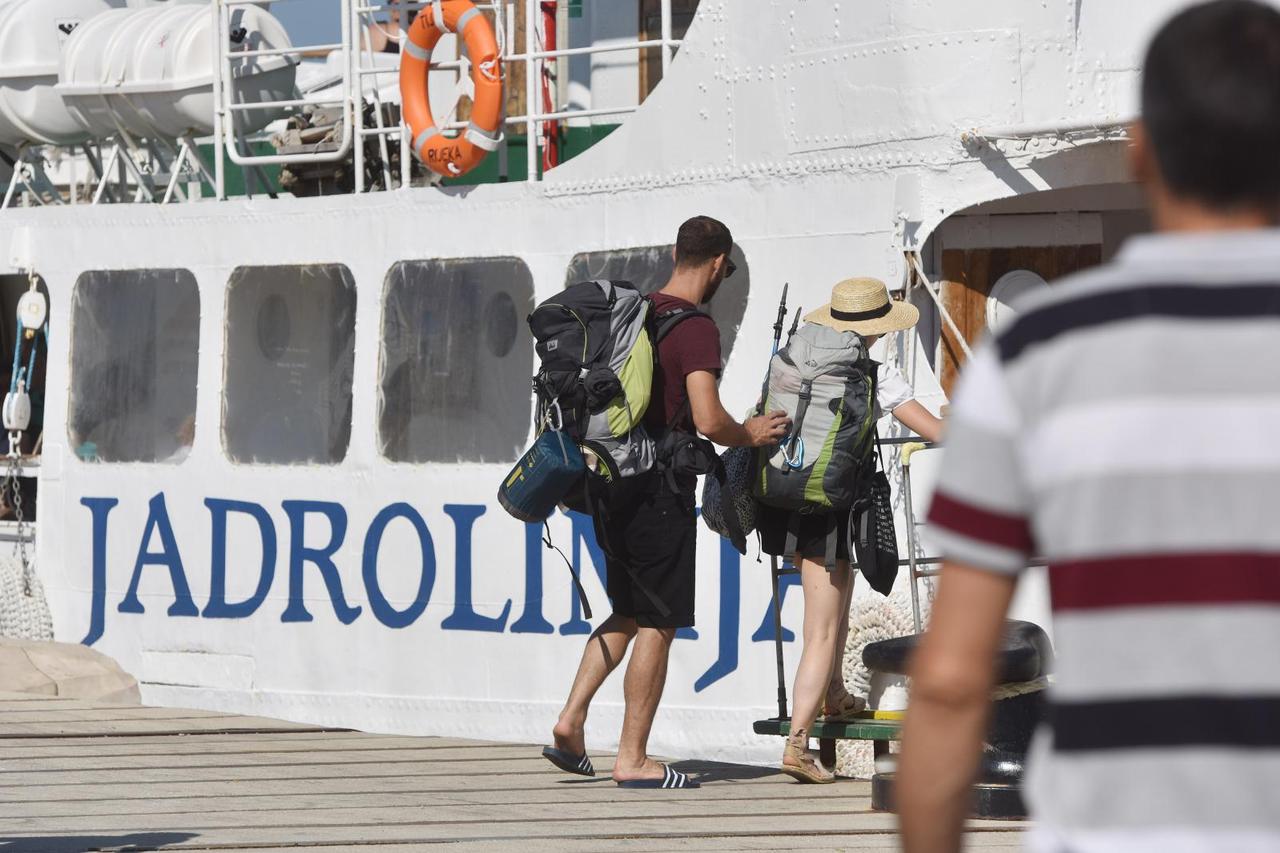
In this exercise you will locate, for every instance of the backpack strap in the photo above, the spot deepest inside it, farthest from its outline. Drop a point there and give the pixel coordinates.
(577, 582)
(666, 322)
(802, 408)
(792, 546)
(830, 550)
(663, 324)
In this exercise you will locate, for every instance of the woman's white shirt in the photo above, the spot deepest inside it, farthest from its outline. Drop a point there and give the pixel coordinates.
(892, 390)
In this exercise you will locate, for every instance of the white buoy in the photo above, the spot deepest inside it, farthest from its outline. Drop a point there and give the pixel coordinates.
(150, 71)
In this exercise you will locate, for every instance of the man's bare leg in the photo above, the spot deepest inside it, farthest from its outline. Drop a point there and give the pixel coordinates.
(646, 678)
(605, 650)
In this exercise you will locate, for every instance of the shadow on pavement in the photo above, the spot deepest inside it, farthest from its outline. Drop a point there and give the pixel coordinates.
(135, 842)
(716, 771)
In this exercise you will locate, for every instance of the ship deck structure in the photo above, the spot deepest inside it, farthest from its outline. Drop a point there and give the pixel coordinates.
(273, 423)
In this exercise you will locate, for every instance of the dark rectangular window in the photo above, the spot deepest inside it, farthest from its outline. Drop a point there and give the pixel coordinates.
(290, 341)
(135, 339)
(650, 267)
(457, 358)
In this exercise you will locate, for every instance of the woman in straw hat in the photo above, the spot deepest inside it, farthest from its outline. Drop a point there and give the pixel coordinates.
(860, 305)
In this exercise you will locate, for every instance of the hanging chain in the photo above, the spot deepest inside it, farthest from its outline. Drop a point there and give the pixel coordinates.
(12, 488)
(12, 491)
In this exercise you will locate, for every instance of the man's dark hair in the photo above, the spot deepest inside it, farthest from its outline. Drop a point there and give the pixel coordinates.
(1211, 103)
(701, 239)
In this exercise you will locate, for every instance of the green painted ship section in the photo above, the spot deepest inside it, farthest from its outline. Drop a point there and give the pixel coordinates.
(573, 141)
(233, 177)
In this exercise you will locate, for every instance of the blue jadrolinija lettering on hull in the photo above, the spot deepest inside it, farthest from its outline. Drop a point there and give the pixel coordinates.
(159, 548)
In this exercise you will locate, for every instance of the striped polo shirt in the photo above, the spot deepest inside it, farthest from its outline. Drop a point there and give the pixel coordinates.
(1126, 428)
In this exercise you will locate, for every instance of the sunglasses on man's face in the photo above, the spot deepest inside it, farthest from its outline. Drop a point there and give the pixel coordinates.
(730, 268)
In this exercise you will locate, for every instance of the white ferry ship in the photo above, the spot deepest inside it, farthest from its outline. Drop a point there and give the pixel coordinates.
(282, 380)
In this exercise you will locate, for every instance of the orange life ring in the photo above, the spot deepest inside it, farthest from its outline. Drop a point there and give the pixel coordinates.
(452, 156)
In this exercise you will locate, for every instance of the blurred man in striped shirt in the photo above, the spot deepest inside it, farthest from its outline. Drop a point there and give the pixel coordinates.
(1126, 427)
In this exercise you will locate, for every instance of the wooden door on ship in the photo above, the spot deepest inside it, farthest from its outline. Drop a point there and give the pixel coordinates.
(984, 261)
(682, 12)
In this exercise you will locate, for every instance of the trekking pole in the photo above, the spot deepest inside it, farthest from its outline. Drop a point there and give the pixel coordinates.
(795, 324)
(777, 340)
(773, 568)
(777, 640)
(782, 318)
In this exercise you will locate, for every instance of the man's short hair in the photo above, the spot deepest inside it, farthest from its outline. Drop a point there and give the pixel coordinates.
(1211, 103)
(701, 239)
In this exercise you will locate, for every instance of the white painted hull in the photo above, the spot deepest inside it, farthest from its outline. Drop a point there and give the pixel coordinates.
(715, 138)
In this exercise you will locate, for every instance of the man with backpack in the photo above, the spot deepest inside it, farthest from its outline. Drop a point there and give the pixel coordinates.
(648, 530)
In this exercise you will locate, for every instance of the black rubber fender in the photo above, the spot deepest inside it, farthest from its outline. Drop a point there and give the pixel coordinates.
(1025, 653)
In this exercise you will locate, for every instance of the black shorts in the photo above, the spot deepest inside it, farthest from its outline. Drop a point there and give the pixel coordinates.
(649, 537)
(812, 531)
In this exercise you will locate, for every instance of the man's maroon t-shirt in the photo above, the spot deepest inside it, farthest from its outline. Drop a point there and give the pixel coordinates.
(691, 346)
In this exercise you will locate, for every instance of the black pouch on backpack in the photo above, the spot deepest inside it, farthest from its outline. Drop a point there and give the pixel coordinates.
(875, 541)
(682, 456)
(729, 508)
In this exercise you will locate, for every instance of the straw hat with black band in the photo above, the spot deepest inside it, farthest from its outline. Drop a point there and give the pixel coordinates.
(863, 305)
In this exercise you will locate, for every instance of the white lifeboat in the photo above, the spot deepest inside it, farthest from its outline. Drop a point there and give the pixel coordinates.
(150, 71)
(32, 34)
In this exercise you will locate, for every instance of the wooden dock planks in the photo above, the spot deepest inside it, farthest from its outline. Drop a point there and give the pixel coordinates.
(76, 776)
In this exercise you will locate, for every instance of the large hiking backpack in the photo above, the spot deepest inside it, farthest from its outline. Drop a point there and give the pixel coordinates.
(825, 380)
(597, 372)
(597, 342)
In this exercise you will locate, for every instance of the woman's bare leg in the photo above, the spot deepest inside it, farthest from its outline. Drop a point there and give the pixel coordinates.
(825, 593)
(837, 688)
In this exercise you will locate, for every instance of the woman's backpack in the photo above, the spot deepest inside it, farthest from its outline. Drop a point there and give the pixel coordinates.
(825, 380)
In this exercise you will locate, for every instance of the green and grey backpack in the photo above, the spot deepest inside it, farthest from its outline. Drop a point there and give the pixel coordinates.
(825, 380)
(597, 344)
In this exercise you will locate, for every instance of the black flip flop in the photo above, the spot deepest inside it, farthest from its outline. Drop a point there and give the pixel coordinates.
(670, 779)
(579, 765)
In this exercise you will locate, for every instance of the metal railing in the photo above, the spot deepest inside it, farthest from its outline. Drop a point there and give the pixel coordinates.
(914, 560)
(157, 170)
(228, 140)
(358, 64)
(535, 61)
(919, 565)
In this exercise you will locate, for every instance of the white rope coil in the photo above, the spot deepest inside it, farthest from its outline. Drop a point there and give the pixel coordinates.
(22, 616)
(873, 618)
